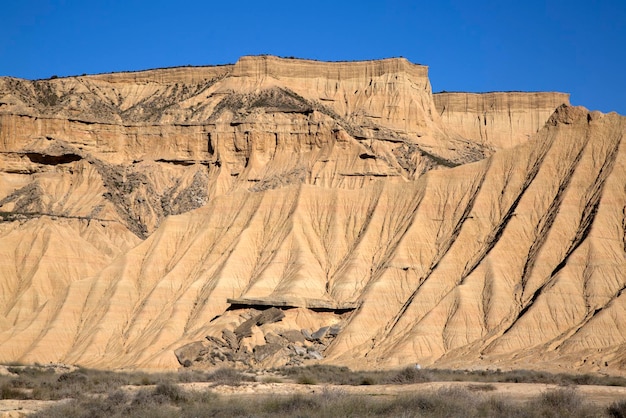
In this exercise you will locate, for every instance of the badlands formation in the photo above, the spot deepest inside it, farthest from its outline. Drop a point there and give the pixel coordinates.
(280, 211)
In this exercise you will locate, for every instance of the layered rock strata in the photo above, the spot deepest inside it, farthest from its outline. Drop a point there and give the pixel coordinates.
(498, 119)
(151, 219)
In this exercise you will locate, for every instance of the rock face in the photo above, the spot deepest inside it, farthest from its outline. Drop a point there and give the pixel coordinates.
(281, 211)
(501, 120)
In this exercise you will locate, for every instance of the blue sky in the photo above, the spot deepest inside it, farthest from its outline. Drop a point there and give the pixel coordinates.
(570, 46)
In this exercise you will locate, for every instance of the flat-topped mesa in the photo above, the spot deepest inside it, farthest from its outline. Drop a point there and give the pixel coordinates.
(181, 75)
(225, 114)
(497, 119)
(383, 100)
(246, 210)
(391, 93)
(266, 65)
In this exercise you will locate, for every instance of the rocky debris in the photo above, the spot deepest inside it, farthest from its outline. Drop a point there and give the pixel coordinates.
(230, 338)
(255, 343)
(188, 353)
(293, 336)
(298, 349)
(334, 331)
(266, 317)
(272, 338)
(261, 352)
(307, 334)
(320, 333)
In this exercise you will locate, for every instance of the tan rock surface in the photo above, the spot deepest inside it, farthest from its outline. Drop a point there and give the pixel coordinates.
(498, 119)
(145, 211)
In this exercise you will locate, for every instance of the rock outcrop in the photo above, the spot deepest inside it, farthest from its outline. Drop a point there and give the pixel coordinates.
(280, 211)
(499, 119)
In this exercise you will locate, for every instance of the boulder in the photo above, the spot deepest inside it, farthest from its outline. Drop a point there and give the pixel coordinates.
(188, 353)
(230, 338)
(320, 333)
(292, 335)
(215, 341)
(268, 316)
(272, 338)
(315, 355)
(261, 352)
(301, 351)
(307, 335)
(334, 331)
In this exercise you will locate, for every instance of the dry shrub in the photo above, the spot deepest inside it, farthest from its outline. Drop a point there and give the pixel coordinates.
(306, 379)
(292, 405)
(410, 375)
(271, 379)
(565, 402)
(230, 377)
(481, 387)
(7, 391)
(170, 392)
(332, 375)
(617, 409)
(368, 380)
(187, 376)
(344, 376)
(455, 401)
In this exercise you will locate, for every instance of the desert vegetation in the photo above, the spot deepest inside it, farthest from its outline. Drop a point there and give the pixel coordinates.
(168, 400)
(94, 393)
(322, 374)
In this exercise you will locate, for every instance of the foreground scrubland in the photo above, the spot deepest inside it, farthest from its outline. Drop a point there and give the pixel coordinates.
(317, 391)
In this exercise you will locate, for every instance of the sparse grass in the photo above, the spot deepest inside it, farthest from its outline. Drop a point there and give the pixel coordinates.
(617, 409)
(271, 379)
(563, 402)
(231, 377)
(306, 379)
(8, 391)
(481, 387)
(93, 393)
(344, 376)
(171, 401)
(410, 375)
(43, 383)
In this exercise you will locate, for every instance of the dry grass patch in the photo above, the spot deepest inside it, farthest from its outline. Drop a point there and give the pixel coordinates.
(409, 375)
(94, 393)
(171, 401)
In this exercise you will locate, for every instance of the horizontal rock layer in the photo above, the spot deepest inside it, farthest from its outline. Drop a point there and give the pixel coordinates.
(499, 119)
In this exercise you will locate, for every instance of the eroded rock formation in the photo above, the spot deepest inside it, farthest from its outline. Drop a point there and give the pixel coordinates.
(500, 120)
(281, 211)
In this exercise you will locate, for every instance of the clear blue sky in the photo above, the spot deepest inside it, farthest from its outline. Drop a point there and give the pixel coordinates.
(571, 46)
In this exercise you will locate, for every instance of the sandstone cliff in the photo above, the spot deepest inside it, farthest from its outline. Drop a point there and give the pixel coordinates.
(150, 219)
(499, 119)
